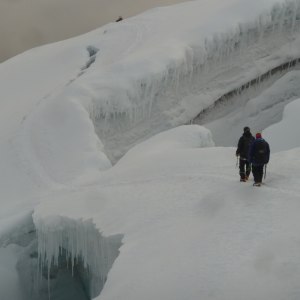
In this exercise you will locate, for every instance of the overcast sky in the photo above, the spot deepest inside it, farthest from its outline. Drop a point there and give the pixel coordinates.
(25, 24)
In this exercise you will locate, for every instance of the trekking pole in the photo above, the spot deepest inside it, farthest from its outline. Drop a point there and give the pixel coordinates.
(265, 170)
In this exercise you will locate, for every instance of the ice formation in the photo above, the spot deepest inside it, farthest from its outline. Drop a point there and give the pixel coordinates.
(239, 97)
(71, 260)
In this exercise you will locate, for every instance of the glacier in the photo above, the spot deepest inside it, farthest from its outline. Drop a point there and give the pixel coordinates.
(117, 159)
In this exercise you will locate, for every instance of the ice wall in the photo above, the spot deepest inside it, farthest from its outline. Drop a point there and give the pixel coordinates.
(238, 98)
(68, 259)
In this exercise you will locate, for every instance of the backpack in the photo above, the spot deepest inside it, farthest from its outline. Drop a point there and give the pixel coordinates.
(247, 143)
(260, 153)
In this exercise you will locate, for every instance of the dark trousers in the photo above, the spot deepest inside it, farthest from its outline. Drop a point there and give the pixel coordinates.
(244, 168)
(258, 172)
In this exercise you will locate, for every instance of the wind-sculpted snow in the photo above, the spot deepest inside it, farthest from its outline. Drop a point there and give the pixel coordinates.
(61, 133)
(182, 137)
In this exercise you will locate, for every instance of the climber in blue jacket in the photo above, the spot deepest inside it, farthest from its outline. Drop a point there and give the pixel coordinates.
(258, 156)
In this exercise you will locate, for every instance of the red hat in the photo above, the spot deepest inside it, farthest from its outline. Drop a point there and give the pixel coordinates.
(258, 136)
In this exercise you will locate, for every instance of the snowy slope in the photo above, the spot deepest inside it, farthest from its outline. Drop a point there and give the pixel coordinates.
(81, 163)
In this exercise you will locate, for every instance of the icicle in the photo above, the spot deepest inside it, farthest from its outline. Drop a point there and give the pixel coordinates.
(82, 242)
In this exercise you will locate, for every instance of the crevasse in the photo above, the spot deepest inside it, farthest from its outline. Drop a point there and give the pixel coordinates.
(69, 258)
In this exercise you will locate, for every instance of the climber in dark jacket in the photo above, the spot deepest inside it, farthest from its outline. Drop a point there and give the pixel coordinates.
(120, 19)
(242, 151)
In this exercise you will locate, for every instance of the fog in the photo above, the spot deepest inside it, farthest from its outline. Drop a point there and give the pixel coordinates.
(26, 24)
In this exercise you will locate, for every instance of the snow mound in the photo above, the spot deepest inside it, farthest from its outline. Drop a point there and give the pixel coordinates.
(182, 137)
(63, 142)
(285, 135)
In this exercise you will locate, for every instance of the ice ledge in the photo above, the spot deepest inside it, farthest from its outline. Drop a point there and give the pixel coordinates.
(60, 256)
(75, 244)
